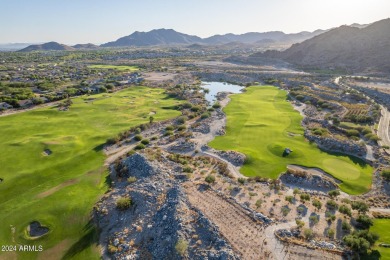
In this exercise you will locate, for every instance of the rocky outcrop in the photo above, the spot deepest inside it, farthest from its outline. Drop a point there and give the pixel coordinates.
(159, 218)
(334, 145)
(235, 158)
(308, 181)
(182, 146)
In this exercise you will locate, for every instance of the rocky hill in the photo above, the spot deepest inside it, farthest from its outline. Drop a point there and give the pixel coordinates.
(347, 47)
(85, 46)
(154, 37)
(49, 46)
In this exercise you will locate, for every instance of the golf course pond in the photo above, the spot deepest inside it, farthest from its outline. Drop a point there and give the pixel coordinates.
(216, 87)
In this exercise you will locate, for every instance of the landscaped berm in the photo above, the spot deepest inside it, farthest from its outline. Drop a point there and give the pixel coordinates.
(261, 123)
(51, 163)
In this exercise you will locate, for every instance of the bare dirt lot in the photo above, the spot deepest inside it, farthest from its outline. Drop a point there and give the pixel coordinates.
(159, 76)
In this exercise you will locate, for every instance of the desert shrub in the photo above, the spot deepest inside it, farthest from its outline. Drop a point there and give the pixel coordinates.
(181, 247)
(258, 203)
(386, 174)
(345, 226)
(330, 217)
(217, 105)
(188, 169)
(137, 130)
(113, 140)
(131, 179)
(181, 127)
(364, 221)
(123, 203)
(361, 241)
(360, 206)
(300, 223)
(296, 191)
(331, 204)
(139, 147)
(181, 119)
(169, 128)
(168, 133)
(210, 179)
(187, 105)
(330, 233)
(252, 194)
(316, 203)
(195, 108)
(145, 141)
(289, 199)
(138, 137)
(304, 197)
(345, 210)
(285, 210)
(346, 201)
(241, 180)
(205, 115)
(352, 132)
(300, 209)
(334, 193)
(308, 233)
(313, 219)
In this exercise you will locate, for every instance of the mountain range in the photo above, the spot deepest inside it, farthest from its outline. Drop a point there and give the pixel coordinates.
(171, 37)
(55, 46)
(352, 48)
(166, 37)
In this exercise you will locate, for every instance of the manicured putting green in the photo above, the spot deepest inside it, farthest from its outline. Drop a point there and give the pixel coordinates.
(115, 67)
(59, 188)
(261, 123)
(382, 227)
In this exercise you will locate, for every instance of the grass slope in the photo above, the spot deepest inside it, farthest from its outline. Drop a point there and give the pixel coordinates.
(261, 123)
(382, 227)
(59, 190)
(115, 67)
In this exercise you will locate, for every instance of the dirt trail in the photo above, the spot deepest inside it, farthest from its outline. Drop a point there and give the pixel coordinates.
(116, 153)
(383, 127)
(244, 234)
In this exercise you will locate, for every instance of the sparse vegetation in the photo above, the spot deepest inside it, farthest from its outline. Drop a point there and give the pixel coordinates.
(181, 247)
(308, 233)
(346, 210)
(123, 203)
(334, 193)
(317, 204)
(210, 179)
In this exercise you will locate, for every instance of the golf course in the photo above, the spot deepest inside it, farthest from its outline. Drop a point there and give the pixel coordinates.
(261, 123)
(382, 227)
(52, 167)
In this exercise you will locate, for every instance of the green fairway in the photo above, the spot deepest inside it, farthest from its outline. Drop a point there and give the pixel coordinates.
(115, 67)
(261, 123)
(60, 189)
(382, 227)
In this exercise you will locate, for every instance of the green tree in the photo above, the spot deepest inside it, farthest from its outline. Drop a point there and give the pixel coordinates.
(317, 204)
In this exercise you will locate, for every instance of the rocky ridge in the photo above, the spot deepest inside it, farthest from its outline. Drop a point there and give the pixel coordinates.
(159, 219)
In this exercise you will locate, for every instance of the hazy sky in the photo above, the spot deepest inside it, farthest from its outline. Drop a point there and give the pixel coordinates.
(99, 21)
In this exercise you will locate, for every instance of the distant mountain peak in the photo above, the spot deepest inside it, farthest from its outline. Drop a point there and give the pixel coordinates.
(352, 48)
(49, 46)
